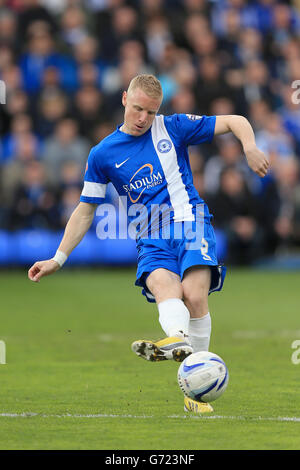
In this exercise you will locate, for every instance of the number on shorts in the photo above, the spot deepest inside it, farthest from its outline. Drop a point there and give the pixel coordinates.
(204, 249)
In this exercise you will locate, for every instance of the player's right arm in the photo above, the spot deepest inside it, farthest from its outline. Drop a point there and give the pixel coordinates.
(77, 226)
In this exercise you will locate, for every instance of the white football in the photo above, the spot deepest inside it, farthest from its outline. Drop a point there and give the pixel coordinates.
(203, 376)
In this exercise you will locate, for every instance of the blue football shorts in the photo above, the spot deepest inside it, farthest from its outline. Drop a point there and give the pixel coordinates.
(177, 247)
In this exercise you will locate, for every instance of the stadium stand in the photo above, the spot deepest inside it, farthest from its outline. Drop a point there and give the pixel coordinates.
(65, 64)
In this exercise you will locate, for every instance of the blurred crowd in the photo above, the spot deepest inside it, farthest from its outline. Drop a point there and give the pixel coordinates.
(65, 64)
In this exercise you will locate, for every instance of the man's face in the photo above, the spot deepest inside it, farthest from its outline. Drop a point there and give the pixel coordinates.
(140, 111)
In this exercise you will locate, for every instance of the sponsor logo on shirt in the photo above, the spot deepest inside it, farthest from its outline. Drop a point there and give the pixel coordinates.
(140, 184)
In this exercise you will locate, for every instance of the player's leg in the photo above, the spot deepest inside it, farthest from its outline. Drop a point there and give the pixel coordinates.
(174, 318)
(164, 284)
(200, 276)
(167, 290)
(196, 284)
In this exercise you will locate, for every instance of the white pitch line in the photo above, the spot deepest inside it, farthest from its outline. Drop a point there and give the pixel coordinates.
(2, 352)
(295, 419)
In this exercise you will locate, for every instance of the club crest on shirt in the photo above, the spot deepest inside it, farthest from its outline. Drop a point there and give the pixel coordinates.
(193, 117)
(164, 146)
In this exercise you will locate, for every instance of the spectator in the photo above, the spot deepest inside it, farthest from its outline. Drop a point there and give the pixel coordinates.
(66, 145)
(157, 36)
(222, 105)
(166, 67)
(296, 217)
(184, 71)
(26, 151)
(88, 75)
(69, 183)
(70, 175)
(117, 79)
(12, 77)
(290, 114)
(21, 124)
(188, 17)
(89, 108)
(183, 102)
(196, 162)
(41, 53)
(151, 8)
(34, 202)
(264, 11)
(230, 42)
(285, 23)
(197, 6)
(235, 211)
(87, 53)
(133, 50)
(257, 83)
(33, 12)
(246, 11)
(258, 113)
(68, 202)
(272, 139)
(131, 61)
(52, 106)
(101, 130)
(8, 29)
(17, 102)
(86, 50)
(6, 56)
(73, 26)
(229, 154)
(287, 177)
(194, 24)
(205, 44)
(123, 27)
(290, 49)
(210, 84)
(55, 7)
(249, 46)
(71, 58)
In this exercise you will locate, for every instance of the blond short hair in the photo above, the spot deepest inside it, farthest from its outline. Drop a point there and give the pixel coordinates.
(148, 83)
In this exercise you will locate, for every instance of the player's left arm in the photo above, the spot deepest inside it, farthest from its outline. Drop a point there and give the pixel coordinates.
(242, 129)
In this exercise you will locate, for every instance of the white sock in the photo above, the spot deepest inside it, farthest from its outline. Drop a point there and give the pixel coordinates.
(174, 317)
(199, 333)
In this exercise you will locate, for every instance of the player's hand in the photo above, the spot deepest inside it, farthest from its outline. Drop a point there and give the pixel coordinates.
(41, 269)
(257, 161)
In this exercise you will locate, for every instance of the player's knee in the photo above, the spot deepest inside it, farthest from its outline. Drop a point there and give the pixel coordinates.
(196, 301)
(164, 285)
(194, 304)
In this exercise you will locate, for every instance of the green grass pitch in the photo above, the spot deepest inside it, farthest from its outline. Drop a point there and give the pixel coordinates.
(72, 382)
